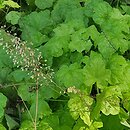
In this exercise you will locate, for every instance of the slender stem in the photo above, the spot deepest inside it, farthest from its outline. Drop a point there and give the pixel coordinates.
(16, 84)
(36, 107)
(25, 105)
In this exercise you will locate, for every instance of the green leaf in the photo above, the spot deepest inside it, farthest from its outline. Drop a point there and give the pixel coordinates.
(25, 94)
(26, 124)
(2, 127)
(1, 4)
(79, 124)
(12, 124)
(43, 109)
(63, 60)
(111, 105)
(50, 91)
(19, 75)
(4, 75)
(32, 26)
(64, 127)
(72, 74)
(115, 35)
(3, 100)
(33, 36)
(52, 121)
(64, 29)
(95, 125)
(126, 101)
(11, 4)
(124, 117)
(44, 126)
(78, 42)
(4, 57)
(90, 5)
(55, 47)
(107, 100)
(76, 57)
(64, 9)
(125, 123)
(102, 12)
(30, 2)
(78, 15)
(66, 119)
(92, 32)
(120, 19)
(112, 123)
(13, 17)
(95, 70)
(81, 108)
(117, 65)
(95, 113)
(44, 4)
(60, 41)
(105, 47)
(37, 20)
(126, 8)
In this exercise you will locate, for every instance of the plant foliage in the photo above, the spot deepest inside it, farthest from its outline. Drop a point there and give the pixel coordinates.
(67, 65)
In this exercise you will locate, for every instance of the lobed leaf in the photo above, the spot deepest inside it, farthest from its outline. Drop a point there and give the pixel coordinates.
(13, 17)
(44, 4)
(11, 4)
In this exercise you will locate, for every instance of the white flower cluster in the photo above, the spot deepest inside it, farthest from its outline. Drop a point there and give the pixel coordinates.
(25, 57)
(73, 89)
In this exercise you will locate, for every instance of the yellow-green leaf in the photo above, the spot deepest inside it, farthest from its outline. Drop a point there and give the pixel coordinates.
(11, 4)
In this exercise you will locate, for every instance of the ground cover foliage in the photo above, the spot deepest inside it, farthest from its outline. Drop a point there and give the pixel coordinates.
(64, 65)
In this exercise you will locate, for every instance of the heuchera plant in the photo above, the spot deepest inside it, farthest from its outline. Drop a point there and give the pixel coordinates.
(66, 67)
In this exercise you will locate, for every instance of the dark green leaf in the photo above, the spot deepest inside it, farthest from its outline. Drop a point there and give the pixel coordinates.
(43, 109)
(3, 100)
(12, 124)
(112, 123)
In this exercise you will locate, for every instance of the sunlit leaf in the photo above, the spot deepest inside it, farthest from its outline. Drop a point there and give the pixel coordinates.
(3, 100)
(11, 4)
